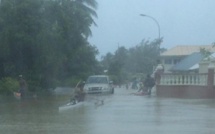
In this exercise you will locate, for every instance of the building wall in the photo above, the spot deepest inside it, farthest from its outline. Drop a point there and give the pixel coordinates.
(188, 89)
(203, 66)
(170, 61)
(185, 91)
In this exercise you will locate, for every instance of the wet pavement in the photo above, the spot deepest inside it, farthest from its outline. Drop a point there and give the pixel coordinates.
(122, 112)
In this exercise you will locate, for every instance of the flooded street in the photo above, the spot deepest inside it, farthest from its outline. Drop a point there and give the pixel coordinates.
(122, 112)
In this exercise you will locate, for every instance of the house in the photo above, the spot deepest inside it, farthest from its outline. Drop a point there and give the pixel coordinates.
(175, 55)
(187, 73)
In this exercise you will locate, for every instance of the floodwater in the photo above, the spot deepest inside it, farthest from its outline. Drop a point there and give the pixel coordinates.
(122, 112)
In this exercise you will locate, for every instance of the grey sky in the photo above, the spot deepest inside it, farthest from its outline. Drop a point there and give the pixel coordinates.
(182, 22)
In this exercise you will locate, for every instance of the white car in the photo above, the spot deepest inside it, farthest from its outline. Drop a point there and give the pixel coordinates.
(98, 84)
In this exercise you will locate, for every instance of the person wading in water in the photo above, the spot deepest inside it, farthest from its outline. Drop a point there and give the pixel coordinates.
(23, 87)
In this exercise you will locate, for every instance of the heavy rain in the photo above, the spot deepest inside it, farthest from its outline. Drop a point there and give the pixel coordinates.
(110, 67)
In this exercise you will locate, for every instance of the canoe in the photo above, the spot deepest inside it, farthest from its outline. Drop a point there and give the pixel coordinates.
(69, 105)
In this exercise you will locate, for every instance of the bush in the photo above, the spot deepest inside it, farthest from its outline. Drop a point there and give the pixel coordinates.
(114, 78)
(8, 85)
(71, 82)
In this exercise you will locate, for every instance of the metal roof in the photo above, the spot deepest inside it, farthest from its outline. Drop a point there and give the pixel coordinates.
(188, 63)
(183, 50)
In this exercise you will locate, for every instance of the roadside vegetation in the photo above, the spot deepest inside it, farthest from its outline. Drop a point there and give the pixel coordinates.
(135, 62)
(47, 42)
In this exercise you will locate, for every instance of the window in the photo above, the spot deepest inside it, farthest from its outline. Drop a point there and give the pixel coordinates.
(168, 61)
(176, 61)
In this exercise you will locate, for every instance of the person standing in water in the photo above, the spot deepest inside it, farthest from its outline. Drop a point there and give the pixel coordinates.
(158, 72)
(23, 87)
(149, 83)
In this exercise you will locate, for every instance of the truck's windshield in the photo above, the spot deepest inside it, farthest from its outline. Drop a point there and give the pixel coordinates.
(94, 79)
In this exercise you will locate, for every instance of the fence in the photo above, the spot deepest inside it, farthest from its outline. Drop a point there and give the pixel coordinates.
(184, 79)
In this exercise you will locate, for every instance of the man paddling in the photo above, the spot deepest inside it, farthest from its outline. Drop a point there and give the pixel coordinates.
(78, 94)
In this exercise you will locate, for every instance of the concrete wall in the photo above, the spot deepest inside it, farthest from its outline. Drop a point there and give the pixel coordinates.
(203, 66)
(206, 91)
(185, 91)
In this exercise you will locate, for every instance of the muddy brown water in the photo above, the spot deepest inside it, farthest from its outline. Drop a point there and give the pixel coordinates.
(122, 112)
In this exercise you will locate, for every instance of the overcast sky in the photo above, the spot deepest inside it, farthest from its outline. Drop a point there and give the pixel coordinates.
(182, 22)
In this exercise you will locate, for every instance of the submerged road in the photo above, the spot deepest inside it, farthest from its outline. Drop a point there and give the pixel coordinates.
(122, 112)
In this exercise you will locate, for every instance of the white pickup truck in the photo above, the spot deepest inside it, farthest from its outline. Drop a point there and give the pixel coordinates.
(99, 84)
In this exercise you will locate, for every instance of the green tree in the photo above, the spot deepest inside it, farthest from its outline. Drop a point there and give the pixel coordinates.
(18, 31)
(46, 40)
(137, 60)
(106, 60)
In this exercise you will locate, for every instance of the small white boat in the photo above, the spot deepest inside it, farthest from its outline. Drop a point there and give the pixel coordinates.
(69, 105)
(74, 103)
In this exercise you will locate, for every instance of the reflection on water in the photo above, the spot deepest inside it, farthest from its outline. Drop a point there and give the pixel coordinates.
(42, 116)
(121, 113)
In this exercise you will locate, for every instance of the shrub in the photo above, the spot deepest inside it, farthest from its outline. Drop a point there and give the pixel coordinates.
(8, 85)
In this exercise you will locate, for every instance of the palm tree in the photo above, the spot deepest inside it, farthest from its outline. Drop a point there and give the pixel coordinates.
(68, 24)
(86, 9)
